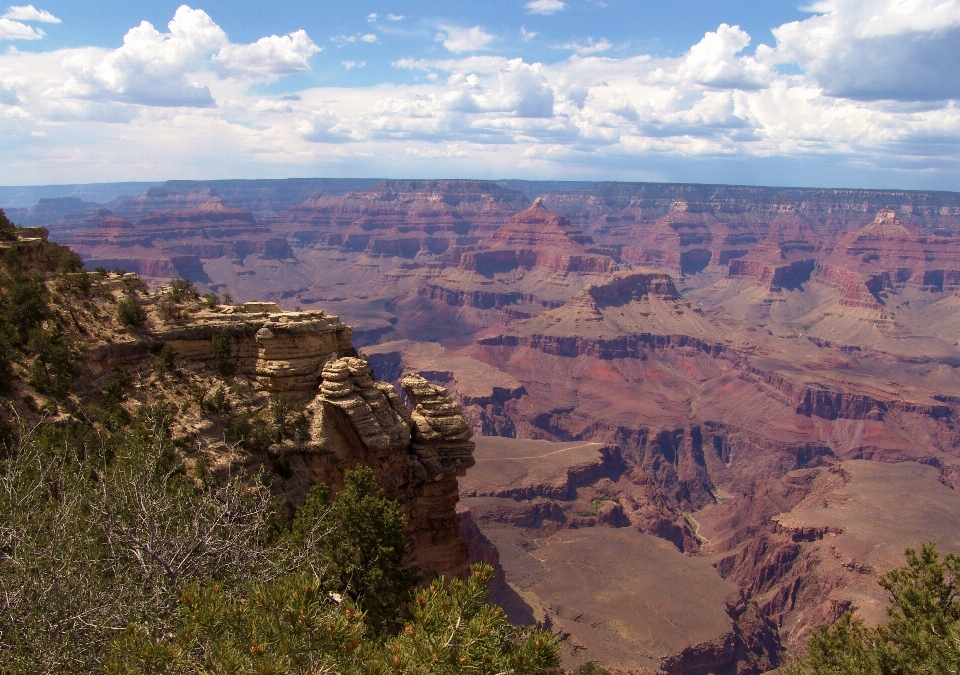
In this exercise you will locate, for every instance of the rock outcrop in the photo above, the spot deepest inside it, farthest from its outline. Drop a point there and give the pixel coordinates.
(351, 418)
(166, 244)
(283, 351)
(401, 218)
(416, 456)
(441, 433)
(620, 318)
(536, 237)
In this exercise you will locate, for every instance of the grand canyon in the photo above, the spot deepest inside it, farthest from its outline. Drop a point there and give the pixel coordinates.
(706, 417)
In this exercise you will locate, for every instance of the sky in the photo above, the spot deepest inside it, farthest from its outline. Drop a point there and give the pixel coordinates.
(835, 93)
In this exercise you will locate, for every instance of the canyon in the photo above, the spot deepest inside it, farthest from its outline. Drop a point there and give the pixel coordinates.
(706, 417)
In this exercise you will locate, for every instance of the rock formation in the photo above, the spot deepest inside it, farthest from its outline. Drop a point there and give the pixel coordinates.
(283, 351)
(351, 418)
(416, 456)
(536, 237)
(166, 244)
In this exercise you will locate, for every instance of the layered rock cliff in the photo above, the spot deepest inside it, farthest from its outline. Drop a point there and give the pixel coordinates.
(416, 455)
(305, 361)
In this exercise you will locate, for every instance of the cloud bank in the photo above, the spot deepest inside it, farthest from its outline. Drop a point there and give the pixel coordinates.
(864, 89)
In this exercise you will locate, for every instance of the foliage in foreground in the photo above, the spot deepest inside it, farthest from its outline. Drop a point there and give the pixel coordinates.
(111, 555)
(96, 532)
(922, 637)
(291, 625)
(362, 556)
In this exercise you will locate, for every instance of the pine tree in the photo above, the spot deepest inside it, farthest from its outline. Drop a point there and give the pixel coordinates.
(453, 630)
(923, 635)
(362, 552)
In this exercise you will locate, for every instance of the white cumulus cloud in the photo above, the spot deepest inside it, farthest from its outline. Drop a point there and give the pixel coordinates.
(903, 50)
(29, 13)
(324, 126)
(522, 90)
(14, 30)
(544, 6)
(267, 105)
(163, 69)
(268, 57)
(714, 62)
(459, 40)
(151, 67)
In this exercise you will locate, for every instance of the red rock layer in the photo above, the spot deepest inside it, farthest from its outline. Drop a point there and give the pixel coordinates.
(174, 243)
(538, 238)
(401, 218)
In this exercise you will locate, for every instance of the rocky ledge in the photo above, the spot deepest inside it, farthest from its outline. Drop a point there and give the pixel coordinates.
(416, 456)
(352, 419)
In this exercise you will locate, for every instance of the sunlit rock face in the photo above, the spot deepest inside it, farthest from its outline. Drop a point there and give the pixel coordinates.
(416, 456)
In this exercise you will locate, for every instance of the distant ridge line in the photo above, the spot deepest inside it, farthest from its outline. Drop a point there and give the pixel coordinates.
(25, 196)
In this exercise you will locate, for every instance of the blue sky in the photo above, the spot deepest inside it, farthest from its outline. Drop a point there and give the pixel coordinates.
(858, 93)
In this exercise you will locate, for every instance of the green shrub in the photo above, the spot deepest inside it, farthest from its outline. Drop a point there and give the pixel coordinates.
(130, 313)
(170, 311)
(24, 304)
(364, 553)
(100, 532)
(238, 428)
(244, 430)
(182, 290)
(211, 300)
(339, 611)
(291, 625)
(221, 350)
(8, 437)
(54, 364)
(259, 439)
(288, 625)
(166, 361)
(71, 277)
(218, 402)
(8, 231)
(6, 368)
(280, 412)
(452, 630)
(70, 262)
(109, 409)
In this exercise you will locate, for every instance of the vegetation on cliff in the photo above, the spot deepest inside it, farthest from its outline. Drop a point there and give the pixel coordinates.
(123, 548)
(922, 636)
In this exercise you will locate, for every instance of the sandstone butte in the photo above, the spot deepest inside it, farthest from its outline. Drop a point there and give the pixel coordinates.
(725, 388)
